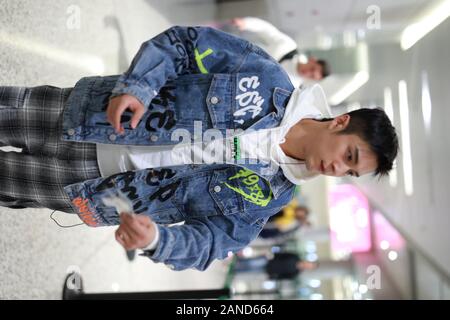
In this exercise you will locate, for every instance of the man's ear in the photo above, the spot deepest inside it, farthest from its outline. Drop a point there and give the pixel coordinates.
(339, 123)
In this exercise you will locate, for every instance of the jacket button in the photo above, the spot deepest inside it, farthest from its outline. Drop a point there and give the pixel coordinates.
(214, 100)
(154, 138)
(112, 137)
(71, 132)
(217, 189)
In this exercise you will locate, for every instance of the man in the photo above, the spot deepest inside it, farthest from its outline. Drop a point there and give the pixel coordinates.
(188, 83)
(281, 47)
(287, 265)
(281, 266)
(292, 213)
(313, 68)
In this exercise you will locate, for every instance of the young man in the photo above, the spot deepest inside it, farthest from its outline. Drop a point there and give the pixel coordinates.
(192, 83)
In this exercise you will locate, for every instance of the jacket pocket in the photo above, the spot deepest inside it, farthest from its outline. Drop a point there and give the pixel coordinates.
(189, 105)
(225, 191)
(204, 194)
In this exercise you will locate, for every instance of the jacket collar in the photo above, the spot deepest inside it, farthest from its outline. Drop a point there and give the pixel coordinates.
(263, 169)
(280, 100)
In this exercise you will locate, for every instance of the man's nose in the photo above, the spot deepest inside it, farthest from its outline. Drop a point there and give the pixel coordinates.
(339, 168)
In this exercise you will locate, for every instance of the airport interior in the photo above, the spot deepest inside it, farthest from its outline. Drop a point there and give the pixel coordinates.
(351, 238)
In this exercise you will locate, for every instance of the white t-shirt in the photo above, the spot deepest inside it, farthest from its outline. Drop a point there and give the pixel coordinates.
(275, 42)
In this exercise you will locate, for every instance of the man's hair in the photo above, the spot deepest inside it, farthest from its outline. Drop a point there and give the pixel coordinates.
(374, 127)
(288, 56)
(326, 70)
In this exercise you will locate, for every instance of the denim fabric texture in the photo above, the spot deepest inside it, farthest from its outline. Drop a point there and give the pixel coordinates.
(187, 76)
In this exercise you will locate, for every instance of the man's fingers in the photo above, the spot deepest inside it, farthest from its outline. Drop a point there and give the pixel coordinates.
(117, 115)
(118, 105)
(134, 227)
(144, 220)
(120, 236)
(137, 115)
(134, 231)
(113, 103)
(127, 240)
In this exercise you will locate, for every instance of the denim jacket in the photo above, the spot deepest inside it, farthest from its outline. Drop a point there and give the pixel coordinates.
(183, 76)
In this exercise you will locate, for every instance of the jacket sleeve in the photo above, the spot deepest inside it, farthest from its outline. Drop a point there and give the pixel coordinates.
(178, 51)
(200, 241)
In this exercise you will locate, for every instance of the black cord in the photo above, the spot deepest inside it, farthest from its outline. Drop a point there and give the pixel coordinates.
(51, 217)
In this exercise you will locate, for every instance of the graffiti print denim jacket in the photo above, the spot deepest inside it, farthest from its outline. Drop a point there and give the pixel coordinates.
(186, 75)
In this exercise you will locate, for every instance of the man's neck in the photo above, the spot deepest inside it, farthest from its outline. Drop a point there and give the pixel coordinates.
(297, 137)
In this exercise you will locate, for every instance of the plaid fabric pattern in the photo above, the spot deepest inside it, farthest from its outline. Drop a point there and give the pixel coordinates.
(31, 119)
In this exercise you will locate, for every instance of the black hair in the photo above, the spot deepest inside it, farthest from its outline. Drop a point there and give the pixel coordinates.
(374, 127)
(288, 56)
(326, 70)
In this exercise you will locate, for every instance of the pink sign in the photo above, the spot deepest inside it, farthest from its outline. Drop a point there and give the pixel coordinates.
(349, 219)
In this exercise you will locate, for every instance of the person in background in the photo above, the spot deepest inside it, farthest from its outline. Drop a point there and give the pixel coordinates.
(281, 266)
(286, 221)
(286, 265)
(281, 47)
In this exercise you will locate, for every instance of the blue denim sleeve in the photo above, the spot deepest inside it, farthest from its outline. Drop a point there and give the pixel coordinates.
(178, 51)
(200, 241)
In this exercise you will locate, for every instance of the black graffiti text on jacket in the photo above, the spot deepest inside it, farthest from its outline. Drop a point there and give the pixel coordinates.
(185, 50)
(166, 119)
(127, 189)
(155, 177)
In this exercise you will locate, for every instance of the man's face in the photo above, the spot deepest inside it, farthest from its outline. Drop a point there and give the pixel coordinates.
(300, 214)
(310, 70)
(333, 154)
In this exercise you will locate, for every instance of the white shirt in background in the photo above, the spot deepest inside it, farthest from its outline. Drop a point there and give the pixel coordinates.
(273, 41)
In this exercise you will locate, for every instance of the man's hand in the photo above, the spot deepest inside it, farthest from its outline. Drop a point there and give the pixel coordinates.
(135, 231)
(118, 105)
